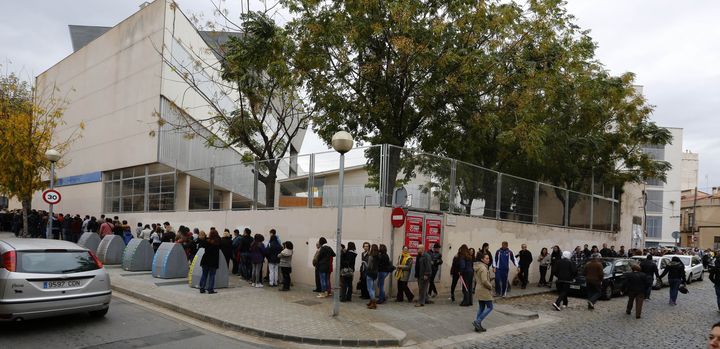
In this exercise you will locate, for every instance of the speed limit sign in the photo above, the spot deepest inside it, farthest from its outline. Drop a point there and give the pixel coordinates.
(51, 196)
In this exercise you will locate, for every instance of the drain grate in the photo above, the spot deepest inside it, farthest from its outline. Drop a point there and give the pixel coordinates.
(307, 302)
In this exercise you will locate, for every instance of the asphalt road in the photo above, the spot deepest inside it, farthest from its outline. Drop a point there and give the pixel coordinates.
(127, 325)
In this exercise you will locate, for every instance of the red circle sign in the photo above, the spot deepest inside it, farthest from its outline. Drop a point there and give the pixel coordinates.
(397, 217)
(51, 196)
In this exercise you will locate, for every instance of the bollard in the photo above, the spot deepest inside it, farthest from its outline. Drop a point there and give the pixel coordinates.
(222, 276)
(170, 261)
(138, 255)
(110, 250)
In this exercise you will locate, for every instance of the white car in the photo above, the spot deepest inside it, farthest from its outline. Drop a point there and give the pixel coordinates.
(41, 278)
(693, 266)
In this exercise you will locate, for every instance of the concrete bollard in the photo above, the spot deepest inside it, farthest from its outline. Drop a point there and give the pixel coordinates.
(138, 255)
(170, 261)
(110, 250)
(222, 276)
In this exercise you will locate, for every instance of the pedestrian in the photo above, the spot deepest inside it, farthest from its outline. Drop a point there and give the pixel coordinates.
(273, 250)
(455, 274)
(555, 256)
(106, 228)
(524, 259)
(245, 260)
(715, 278)
(503, 257)
(714, 336)
(484, 292)
(594, 276)
(675, 271)
(225, 243)
(362, 284)
(324, 260)
(210, 263)
(435, 261)
(145, 233)
(347, 271)
(565, 271)
(484, 250)
(466, 275)
(127, 233)
(385, 267)
(286, 264)
(544, 262)
(318, 286)
(650, 269)
(621, 253)
(402, 274)
(587, 252)
(156, 239)
(578, 257)
(635, 286)
(372, 274)
(237, 239)
(423, 269)
(257, 257)
(605, 251)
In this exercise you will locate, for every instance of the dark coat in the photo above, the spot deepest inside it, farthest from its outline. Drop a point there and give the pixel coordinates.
(211, 257)
(594, 273)
(347, 259)
(635, 283)
(525, 258)
(674, 270)
(325, 254)
(385, 265)
(565, 270)
(257, 252)
(273, 250)
(649, 268)
(226, 247)
(423, 266)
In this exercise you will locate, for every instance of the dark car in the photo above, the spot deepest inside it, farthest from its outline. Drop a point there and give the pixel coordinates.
(613, 282)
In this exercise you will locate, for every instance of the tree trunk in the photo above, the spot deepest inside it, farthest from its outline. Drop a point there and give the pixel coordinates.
(392, 172)
(489, 186)
(26, 203)
(269, 182)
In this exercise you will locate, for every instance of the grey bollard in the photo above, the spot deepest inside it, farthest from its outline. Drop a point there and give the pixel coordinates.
(138, 255)
(90, 240)
(170, 261)
(222, 276)
(111, 249)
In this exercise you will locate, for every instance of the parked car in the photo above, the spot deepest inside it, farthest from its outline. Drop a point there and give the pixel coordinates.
(661, 262)
(693, 267)
(41, 278)
(614, 280)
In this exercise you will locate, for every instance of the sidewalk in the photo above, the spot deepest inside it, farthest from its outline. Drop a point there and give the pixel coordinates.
(299, 316)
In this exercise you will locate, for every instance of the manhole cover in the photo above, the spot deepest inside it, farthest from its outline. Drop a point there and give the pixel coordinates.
(307, 302)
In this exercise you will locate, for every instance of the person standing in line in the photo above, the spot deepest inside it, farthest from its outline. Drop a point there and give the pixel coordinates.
(372, 274)
(635, 286)
(145, 233)
(503, 257)
(676, 276)
(524, 258)
(484, 292)
(714, 268)
(605, 251)
(138, 230)
(106, 228)
(565, 271)
(484, 250)
(466, 275)
(237, 239)
(555, 256)
(385, 267)
(402, 274)
(455, 274)
(245, 260)
(286, 264)
(347, 270)
(473, 257)
(544, 261)
(362, 284)
(587, 252)
(257, 257)
(578, 257)
(423, 269)
(273, 250)
(318, 287)
(324, 260)
(436, 261)
(210, 263)
(225, 243)
(650, 269)
(594, 276)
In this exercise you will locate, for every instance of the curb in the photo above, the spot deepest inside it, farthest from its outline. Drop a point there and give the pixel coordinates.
(516, 313)
(262, 333)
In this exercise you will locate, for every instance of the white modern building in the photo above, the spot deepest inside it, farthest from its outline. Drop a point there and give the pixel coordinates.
(662, 207)
(119, 84)
(690, 167)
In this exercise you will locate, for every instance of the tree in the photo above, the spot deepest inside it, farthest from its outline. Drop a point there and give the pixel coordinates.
(28, 130)
(254, 100)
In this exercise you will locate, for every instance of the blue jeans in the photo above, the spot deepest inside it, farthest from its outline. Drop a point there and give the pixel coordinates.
(204, 278)
(324, 282)
(484, 309)
(501, 281)
(371, 286)
(674, 287)
(381, 285)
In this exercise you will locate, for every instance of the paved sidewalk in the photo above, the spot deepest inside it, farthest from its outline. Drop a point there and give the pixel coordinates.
(299, 316)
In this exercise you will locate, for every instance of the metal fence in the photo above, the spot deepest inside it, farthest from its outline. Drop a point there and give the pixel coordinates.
(433, 183)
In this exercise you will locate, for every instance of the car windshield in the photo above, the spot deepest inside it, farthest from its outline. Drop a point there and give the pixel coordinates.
(55, 262)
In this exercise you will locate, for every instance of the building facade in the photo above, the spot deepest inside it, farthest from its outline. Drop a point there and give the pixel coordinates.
(690, 169)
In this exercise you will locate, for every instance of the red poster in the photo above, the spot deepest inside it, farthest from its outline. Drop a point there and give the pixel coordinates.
(433, 232)
(413, 233)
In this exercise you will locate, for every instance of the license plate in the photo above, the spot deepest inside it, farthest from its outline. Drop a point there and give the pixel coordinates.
(61, 284)
(575, 287)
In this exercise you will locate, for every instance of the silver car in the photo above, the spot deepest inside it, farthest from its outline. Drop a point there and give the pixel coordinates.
(40, 278)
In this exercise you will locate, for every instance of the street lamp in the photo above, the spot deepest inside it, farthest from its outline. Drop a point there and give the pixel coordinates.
(53, 156)
(342, 142)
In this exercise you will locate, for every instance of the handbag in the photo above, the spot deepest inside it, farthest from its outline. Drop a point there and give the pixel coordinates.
(683, 289)
(347, 271)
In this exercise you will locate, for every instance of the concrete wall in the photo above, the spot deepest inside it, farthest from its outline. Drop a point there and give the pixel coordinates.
(671, 189)
(690, 165)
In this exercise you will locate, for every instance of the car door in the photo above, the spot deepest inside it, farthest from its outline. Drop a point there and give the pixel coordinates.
(697, 267)
(621, 267)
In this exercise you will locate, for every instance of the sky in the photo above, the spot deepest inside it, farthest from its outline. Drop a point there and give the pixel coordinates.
(672, 47)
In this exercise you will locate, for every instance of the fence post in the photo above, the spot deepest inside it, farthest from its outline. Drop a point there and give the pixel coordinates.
(536, 204)
(592, 201)
(498, 197)
(567, 208)
(382, 185)
(211, 195)
(311, 181)
(453, 189)
(255, 185)
(612, 211)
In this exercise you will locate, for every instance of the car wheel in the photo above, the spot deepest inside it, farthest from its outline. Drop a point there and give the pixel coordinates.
(99, 313)
(607, 292)
(689, 279)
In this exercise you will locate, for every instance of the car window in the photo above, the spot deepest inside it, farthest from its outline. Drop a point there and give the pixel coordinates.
(622, 267)
(686, 261)
(663, 263)
(61, 262)
(696, 260)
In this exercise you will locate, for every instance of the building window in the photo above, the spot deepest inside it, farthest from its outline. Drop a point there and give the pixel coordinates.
(654, 201)
(654, 151)
(654, 226)
(654, 182)
(716, 243)
(139, 189)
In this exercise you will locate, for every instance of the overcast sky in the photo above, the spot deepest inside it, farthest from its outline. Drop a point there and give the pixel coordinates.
(673, 48)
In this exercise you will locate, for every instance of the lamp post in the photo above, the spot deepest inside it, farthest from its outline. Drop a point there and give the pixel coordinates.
(342, 142)
(53, 156)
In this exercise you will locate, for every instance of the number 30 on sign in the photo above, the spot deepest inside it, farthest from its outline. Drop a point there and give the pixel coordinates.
(51, 196)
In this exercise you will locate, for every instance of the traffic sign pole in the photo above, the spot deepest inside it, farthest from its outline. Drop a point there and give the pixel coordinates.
(48, 230)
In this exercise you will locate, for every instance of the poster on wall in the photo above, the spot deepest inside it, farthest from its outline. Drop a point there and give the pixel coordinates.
(413, 233)
(433, 231)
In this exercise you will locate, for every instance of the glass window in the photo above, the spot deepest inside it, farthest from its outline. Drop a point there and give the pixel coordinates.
(654, 182)
(126, 190)
(55, 262)
(654, 151)
(654, 226)
(654, 201)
